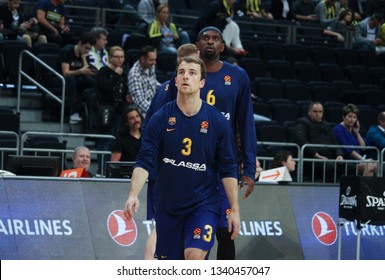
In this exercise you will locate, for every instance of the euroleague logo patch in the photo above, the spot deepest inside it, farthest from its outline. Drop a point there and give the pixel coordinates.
(122, 231)
(324, 228)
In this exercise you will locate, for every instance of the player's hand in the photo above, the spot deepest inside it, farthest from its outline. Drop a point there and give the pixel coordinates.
(250, 185)
(132, 202)
(234, 223)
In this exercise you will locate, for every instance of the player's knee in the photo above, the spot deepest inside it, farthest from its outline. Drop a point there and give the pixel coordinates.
(194, 254)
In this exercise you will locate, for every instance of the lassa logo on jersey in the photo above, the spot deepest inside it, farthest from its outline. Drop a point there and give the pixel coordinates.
(122, 231)
(227, 80)
(204, 127)
(324, 228)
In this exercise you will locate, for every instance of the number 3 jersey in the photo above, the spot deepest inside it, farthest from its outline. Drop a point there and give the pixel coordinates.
(188, 152)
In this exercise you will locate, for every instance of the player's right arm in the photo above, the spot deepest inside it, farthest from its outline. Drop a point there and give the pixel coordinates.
(139, 177)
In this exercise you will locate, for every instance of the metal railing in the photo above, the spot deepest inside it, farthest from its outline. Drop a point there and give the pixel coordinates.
(40, 86)
(335, 162)
(4, 151)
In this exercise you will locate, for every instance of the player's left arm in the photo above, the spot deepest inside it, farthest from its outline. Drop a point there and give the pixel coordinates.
(245, 120)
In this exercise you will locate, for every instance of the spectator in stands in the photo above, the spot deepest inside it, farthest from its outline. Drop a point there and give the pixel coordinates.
(327, 11)
(344, 5)
(375, 7)
(147, 9)
(164, 30)
(98, 55)
(112, 98)
(256, 9)
(337, 29)
(128, 141)
(112, 91)
(280, 9)
(348, 133)
(220, 14)
(283, 158)
(142, 83)
(376, 134)
(312, 129)
(17, 26)
(366, 32)
(81, 158)
(51, 17)
(380, 47)
(304, 10)
(72, 62)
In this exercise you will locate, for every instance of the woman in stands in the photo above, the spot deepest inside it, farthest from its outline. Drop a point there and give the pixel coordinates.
(164, 30)
(348, 133)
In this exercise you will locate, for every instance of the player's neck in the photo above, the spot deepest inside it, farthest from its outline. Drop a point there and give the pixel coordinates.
(188, 104)
(213, 65)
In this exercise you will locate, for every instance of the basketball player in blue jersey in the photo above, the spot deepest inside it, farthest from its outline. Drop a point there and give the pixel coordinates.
(166, 92)
(191, 143)
(227, 87)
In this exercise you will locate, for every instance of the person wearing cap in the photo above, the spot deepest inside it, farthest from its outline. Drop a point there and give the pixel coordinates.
(220, 15)
(227, 88)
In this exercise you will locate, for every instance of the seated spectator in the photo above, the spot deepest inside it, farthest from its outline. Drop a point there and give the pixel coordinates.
(366, 32)
(72, 62)
(283, 158)
(51, 17)
(81, 158)
(112, 98)
(164, 30)
(304, 10)
(147, 9)
(344, 5)
(17, 26)
(280, 9)
(348, 133)
(376, 134)
(142, 83)
(128, 141)
(98, 55)
(337, 29)
(327, 11)
(312, 129)
(256, 9)
(219, 15)
(380, 47)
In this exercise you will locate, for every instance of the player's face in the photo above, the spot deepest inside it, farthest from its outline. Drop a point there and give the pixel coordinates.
(210, 45)
(188, 78)
(82, 159)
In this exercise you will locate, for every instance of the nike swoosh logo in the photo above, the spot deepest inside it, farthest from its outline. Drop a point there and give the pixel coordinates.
(170, 129)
